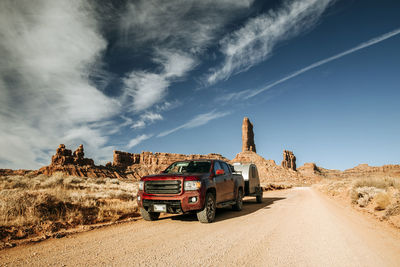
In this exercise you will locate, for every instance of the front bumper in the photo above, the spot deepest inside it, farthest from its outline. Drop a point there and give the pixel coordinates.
(174, 204)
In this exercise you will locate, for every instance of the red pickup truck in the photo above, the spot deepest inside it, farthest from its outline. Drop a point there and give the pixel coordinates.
(198, 186)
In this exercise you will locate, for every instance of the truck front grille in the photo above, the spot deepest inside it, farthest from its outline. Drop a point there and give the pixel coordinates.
(163, 187)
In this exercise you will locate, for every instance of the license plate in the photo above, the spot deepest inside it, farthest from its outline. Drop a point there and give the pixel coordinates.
(160, 207)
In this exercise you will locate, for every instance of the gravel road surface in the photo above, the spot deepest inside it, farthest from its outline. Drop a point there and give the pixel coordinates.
(296, 227)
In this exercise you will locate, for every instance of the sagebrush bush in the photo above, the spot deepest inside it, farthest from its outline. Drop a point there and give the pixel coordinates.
(382, 200)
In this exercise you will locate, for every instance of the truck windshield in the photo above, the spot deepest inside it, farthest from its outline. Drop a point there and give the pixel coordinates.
(189, 167)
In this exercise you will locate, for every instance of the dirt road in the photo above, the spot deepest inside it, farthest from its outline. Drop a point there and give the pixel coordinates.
(297, 227)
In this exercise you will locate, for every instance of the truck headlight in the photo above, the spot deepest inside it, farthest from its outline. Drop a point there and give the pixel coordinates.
(192, 185)
(141, 185)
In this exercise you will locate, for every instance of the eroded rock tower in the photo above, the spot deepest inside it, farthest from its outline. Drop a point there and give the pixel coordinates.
(247, 136)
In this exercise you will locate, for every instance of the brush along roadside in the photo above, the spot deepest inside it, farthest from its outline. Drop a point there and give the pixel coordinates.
(377, 196)
(42, 206)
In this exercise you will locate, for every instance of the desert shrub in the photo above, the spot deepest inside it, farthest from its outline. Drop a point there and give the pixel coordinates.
(382, 183)
(393, 210)
(363, 195)
(382, 200)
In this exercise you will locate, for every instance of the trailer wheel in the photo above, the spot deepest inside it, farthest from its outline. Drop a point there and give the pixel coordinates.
(149, 216)
(239, 201)
(207, 214)
(259, 196)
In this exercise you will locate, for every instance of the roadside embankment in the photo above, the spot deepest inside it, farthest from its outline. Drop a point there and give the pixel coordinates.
(379, 197)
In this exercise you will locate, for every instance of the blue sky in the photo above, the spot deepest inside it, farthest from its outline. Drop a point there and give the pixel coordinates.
(318, 77)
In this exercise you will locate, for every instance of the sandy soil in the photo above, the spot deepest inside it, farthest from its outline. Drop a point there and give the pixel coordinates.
(295, 227)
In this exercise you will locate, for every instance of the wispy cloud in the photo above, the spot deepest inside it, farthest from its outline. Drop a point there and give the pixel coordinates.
(146, 118)
(48, 50)
(137, 140)
(246, 94)
(144, 89)
(197, 121)
(253, 42)
(174, 33)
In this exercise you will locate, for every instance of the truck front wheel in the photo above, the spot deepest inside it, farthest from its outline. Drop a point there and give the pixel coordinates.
(207, 214)
(149, 216)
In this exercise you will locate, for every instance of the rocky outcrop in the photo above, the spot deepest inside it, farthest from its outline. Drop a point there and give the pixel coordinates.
(137, 165)
(64, 156)
(309, 169)
(289, 160)
(270, 172)
(76, 164)
(248, 136)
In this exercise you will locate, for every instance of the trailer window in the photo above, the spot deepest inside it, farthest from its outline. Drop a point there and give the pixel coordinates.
(253, 172)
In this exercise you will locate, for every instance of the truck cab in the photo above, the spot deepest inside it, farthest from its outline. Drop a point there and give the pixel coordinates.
(198, 186)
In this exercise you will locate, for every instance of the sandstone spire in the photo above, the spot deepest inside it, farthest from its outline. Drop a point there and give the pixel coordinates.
(247, 136)
(289, 160)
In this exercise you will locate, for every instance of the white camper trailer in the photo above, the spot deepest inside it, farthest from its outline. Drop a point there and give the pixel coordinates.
(251, 179)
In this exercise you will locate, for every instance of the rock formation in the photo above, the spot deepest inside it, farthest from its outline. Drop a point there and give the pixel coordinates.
(137, 165)
(289, 160)
(309, 169)
(247, 136)
(76, 164)
(270, 172)
(64, 156)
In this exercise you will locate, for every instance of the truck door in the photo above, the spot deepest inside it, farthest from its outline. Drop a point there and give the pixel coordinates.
(229, 182)
(219, 182)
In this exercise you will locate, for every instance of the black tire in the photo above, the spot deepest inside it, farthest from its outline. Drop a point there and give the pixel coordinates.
(207, 214)
(259, 196)
(149, 216)
(239, 201)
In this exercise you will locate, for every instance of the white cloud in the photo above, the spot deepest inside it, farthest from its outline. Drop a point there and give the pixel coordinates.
(168, 105)
(146, 118)
(48, 49)
(253, 42)
(197, 121)
(175, 33)
(147, 88)
(246, 94)
(138, 140)
(188, 24)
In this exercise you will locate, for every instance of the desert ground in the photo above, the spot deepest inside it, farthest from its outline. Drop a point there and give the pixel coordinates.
(293, 227)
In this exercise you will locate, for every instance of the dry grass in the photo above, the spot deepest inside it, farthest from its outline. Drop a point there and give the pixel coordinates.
(379, 196)
(32, 205)
(382, 183)
(382, 200)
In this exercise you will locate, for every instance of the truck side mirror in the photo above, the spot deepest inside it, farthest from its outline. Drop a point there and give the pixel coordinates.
(220, 172)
